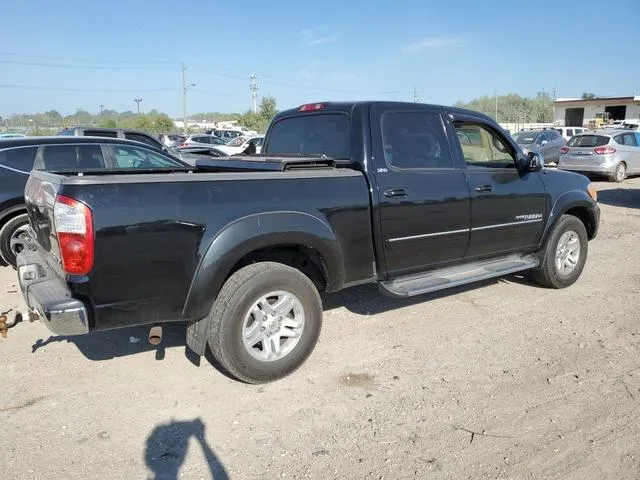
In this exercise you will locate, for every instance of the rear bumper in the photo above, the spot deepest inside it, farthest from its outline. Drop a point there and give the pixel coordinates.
(596, 164)
(48, 295)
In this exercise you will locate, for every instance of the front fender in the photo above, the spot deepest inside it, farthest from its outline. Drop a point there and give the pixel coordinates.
(567, 201)
(255, 232)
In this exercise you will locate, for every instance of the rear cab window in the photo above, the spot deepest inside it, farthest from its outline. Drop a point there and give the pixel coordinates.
(327, 134)
(588, 141)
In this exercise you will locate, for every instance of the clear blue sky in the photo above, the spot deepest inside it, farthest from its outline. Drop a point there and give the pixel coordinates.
(306, 51)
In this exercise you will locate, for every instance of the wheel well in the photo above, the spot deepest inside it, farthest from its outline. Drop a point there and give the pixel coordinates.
(583, 215)
(13, 214)
(302, 258)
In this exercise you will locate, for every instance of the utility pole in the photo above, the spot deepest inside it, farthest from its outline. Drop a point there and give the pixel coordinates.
(253, 87)
(496, 96)
(101, 108)
(138, 100)
(185, 87)
(416, 97)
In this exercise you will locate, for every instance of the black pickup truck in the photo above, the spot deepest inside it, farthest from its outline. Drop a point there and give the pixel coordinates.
(414, 197)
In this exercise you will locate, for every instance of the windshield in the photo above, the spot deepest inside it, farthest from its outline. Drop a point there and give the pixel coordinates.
(525, 138)
(317, 134)
(588, 141)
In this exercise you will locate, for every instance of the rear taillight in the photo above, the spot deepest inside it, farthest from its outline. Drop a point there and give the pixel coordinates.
(74, 228)
(564, 150)
(604, 150)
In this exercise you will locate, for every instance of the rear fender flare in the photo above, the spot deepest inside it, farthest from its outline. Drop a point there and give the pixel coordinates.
(252, 233)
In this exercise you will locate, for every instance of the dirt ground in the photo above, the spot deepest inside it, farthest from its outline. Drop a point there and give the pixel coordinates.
(499, 380)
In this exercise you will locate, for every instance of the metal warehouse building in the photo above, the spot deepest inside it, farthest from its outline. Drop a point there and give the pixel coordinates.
(574, 112)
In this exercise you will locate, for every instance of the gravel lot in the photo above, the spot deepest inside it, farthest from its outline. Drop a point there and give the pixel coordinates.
(498, 380)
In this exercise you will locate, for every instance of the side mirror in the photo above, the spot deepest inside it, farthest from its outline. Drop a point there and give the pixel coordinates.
(532, 162)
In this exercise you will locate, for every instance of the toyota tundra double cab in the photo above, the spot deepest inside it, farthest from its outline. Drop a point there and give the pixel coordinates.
(413, 197)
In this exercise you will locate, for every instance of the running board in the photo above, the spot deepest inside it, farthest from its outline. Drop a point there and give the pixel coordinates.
(459, 275)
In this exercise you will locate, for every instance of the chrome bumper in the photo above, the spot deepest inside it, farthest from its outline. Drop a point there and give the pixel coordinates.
(48, 295)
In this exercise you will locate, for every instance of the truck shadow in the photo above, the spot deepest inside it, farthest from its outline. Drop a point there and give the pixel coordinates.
(110, 344)
(368, 300)
(167, 446)
(620, 197)
(362, 300)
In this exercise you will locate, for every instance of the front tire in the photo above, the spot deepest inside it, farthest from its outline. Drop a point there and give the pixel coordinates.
(11, 238)
(265, 322)
(564, 254)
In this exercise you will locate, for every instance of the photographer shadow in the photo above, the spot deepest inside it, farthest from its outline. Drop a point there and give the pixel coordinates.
(167, 446)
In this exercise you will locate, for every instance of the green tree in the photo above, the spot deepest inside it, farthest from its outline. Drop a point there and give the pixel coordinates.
(108, 123)
(260, 121)
(268, 108)
(588, 96)
(163, 124)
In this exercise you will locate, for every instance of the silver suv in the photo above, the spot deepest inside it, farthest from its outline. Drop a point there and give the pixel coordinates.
(613, 153)
(546, 142)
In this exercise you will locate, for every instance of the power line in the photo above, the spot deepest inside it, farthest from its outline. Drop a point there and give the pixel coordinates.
(98, 90)
(86, 59)
(284, 83)
(81, 67)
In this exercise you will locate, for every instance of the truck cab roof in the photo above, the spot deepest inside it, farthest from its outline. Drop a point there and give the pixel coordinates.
(348, 107)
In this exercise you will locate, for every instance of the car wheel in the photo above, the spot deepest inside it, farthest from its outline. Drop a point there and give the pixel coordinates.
(564, 254)
(620, 173)
(265, 322)
(12, 236)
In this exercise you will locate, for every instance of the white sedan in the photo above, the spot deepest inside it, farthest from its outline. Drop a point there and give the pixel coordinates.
(240, 144)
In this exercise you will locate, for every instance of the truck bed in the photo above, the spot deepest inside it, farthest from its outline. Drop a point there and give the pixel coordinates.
(154, 230)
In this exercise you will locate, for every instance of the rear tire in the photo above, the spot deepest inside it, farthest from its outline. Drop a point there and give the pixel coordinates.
(254, 342)
(10, 235)
(620, 173)
(563, 255)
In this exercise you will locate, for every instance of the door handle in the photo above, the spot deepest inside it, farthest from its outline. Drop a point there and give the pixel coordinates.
(484, 188)
(395, 192)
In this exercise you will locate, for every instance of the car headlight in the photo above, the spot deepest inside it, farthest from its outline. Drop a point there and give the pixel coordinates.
(525, 151)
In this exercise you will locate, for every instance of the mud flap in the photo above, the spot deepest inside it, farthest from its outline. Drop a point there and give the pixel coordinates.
(197, 333)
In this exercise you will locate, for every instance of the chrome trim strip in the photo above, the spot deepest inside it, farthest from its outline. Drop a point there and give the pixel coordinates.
(499, 225)
(464, 230)
(426, 235)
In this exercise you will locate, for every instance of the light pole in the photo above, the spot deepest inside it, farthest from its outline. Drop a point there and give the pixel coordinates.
(185, 87)
(138, 100)
(101, 108)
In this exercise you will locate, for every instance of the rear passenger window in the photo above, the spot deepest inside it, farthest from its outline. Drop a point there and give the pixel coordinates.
(569, 132)
(415, 140)
(18, 158)
(141, 138)
(629, 139)
(70, 157)
(482, 147)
